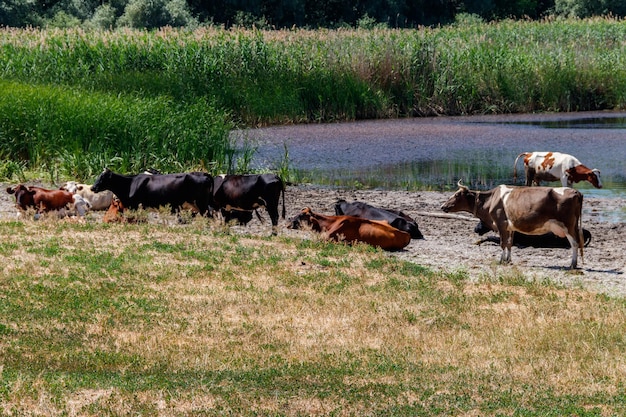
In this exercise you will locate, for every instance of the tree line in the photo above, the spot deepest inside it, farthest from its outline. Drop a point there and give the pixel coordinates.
(279, 14)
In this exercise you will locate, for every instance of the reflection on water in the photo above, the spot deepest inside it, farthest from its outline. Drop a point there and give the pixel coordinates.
(582, 123)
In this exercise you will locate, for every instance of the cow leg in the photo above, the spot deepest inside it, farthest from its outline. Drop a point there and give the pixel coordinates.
(530, 176)
(574, 244)
(273, 213)
(506, 241)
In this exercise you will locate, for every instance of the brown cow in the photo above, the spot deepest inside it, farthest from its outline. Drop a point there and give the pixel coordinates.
(115, 212)
(353, 229)
(42, 199)
(529, 210)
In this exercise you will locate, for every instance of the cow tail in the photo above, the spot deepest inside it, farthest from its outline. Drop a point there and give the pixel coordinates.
(283, 191)
(581, 237)
(515, 167)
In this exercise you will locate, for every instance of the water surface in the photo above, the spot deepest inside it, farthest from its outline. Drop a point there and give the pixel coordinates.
(434, 153)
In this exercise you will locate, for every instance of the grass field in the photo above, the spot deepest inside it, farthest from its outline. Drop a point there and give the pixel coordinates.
(100, 319)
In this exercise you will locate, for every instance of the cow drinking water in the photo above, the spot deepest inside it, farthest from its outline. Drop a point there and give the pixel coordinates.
(529, 210)
(555, 166)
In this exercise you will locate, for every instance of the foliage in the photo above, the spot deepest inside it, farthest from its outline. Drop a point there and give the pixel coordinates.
(267, 14)
(82, 132)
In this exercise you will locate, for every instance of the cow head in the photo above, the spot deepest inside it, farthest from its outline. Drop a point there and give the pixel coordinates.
(481, 228)
(24, 196)
(71, 186)
(304, 216)
(582, 173)
(460, 201)
(102, 181)
(594, 178)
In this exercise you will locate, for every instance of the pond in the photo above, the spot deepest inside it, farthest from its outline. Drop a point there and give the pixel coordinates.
(434, 153)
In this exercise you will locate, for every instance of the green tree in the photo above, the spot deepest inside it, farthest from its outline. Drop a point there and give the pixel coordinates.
(587, 8)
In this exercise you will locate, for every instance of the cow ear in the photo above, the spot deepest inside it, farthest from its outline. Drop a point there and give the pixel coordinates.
(10, 190)
(79, 188)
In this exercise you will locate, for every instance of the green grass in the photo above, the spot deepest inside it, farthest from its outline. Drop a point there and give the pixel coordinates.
(74, 100)
(102, 319)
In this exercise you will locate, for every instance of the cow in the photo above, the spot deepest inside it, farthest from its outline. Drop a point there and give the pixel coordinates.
(98, 201)
(555, 166)
(153, 191)
(41, 199)
(237, 196)
(81, 205)
(395, 218)
(521, 240)
(353, 229)
(529, 210)
(115, 212)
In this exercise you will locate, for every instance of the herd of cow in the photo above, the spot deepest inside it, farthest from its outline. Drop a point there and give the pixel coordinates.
(530, 216)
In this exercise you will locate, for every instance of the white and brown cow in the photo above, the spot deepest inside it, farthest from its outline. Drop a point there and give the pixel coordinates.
(555, 166)
(528, 210)
(97, 201)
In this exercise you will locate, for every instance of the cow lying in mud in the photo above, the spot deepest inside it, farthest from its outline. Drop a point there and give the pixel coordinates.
(353, 229)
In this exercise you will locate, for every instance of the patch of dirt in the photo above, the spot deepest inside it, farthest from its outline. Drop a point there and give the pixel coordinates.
(449, 243)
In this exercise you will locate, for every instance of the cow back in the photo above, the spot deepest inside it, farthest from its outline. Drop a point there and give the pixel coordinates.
(528, 209)
(395, 218)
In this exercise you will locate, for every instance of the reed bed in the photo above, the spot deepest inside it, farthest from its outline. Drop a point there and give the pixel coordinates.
(253, 77)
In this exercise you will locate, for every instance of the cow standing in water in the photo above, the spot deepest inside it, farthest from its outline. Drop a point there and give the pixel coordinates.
(528, 210)
(555, 166)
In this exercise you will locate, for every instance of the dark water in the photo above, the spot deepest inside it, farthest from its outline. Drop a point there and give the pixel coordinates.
(613, 122)
(433, 153)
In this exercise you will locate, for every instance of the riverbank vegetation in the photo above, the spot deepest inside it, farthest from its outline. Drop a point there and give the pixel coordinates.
(74, 100)
(98, 320)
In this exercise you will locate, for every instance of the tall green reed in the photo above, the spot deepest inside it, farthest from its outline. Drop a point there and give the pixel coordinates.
(80, 132)
(167, 86)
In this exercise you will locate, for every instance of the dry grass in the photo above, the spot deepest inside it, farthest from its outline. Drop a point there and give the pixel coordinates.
(180, 320)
